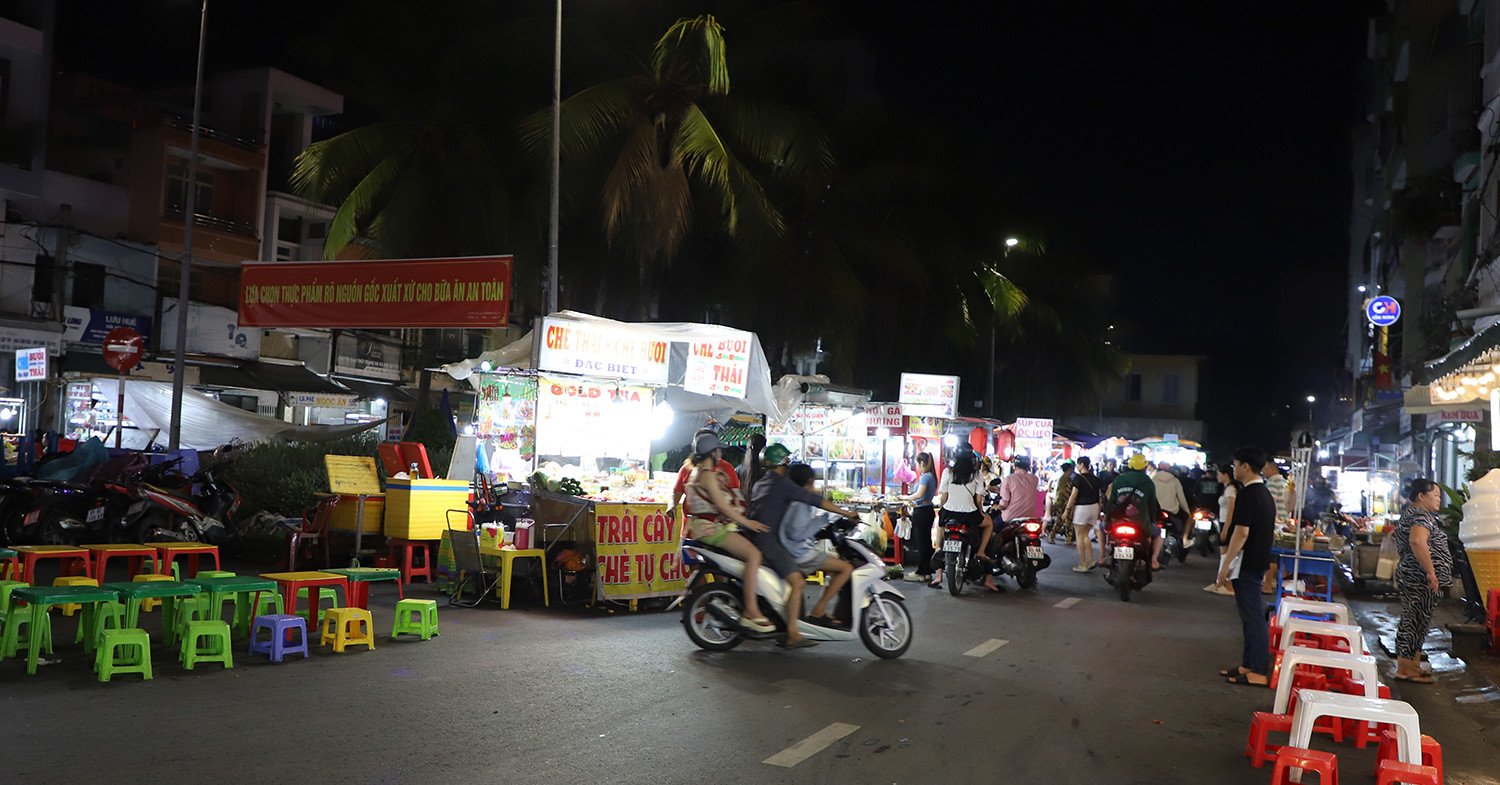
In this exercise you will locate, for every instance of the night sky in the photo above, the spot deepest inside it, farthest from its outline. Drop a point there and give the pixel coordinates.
(1198, 151)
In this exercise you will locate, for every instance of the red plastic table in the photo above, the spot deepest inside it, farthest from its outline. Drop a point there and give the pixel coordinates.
(169, 551)
(360, 579)
(70, 556)
(290, 582)
(134, 553)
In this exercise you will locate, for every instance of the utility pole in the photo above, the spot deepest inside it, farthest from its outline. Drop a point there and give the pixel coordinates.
(556, 192)
(185, 268)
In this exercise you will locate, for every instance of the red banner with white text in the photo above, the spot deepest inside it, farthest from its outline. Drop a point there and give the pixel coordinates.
(467, 292)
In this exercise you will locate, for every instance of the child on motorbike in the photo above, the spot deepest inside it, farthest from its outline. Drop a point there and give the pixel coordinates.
(798, 533)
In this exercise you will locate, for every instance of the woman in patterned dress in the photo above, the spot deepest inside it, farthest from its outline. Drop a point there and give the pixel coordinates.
(1424, 571)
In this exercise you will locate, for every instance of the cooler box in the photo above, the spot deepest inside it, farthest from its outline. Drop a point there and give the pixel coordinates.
(346, 514)
(418, 509)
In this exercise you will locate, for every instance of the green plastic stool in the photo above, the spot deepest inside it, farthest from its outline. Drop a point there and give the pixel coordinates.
(206, 641)
(191, 609)
(328, 597)
(214, 574)
(268, 601)
(15, 641)
(6, 587)
(112, 617)
(123, 651)
(415, 617)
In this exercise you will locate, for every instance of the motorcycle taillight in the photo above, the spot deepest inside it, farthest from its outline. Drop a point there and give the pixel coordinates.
(1126, 530)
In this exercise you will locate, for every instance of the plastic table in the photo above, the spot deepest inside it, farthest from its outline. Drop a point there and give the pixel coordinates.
(167, 591)
(12, 565)
(1313, 705)
(360, 579)
(70, 556)
(1312, 563)
(39, 599)
(507, 557)
(1361, 665)
(169, 551)
(246, 587)
(134, 553)
(290, 582)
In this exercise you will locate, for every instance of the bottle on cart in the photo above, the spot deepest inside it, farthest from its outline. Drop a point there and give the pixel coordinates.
(411, 471)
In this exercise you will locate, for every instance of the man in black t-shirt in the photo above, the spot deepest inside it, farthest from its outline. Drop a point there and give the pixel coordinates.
(1251, 531)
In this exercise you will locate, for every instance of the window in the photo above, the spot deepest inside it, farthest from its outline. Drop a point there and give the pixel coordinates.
(41, 278)
(177, 188)
(249, 403)
(1171, 388)
(168, 279)
(88, 285)
(289, 230)
(317, 230)
(1133, 388)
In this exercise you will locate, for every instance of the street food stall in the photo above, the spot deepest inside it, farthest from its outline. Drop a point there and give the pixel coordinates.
(825, 426)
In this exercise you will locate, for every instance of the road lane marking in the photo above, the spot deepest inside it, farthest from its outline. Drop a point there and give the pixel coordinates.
(985, 648)
(1068, 603)
(810, 746)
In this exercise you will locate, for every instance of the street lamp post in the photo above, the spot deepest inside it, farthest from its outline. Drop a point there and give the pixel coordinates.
(185, 267)
(989, 395)
(1311, 399)
(552, 226)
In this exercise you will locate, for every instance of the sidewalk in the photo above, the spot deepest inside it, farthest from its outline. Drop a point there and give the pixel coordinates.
(1462, 710)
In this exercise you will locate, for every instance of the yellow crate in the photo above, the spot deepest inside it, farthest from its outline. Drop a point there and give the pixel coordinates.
(346, 513)
(418, 509)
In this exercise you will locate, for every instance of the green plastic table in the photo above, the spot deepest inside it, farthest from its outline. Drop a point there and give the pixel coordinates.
(246, 587)
(39, 599)
(166, 591)
(360, 579)
(11, 569)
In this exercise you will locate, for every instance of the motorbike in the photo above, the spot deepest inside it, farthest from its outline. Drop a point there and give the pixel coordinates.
(868, 606)
(1129, 567)
(960, 550)
(1205, 534)
(195, 508)
(1017, 546)
(1174, 542)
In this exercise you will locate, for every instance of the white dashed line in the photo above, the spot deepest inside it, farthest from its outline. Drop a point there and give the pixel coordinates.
(985, 648)
(1068, 603)
(810, 746)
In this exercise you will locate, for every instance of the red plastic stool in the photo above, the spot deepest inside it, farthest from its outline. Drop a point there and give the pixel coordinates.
(1492, 617)
(1388, 772)
(410, 569)
(1432, 752)
(1303, 680)
(1262, 724)
(1325, 764)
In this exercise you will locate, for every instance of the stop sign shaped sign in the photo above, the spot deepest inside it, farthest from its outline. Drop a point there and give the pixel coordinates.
(123, 348)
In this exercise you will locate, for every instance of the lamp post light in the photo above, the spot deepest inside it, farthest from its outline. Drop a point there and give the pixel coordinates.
(185, 267)
(1311, 399)
(556, 189)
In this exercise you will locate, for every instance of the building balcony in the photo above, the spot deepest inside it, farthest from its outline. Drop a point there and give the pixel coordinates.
(211, 222)
(215, 238)
(218, 149)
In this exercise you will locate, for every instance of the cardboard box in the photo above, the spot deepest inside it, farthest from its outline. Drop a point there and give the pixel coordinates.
(419, 509)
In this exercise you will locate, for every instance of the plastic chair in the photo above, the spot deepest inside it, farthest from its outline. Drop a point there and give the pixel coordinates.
(1291, 761)
(1350, 633)
(1360, 665)
(123, 651)
(314, 531)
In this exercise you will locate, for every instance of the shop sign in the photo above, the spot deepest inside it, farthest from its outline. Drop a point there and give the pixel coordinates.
(577, 419)
(589, 350)
(467, 292)
(357, 355)
(720, 366)
(31, 364)
(925, 427)
(1474, 415)
(1034, 435)
(887, 416)
(211, 330)
(321, 400)
(90, 325)
(1382, 311)
(638, 548)
(14, 339)
(927, 395)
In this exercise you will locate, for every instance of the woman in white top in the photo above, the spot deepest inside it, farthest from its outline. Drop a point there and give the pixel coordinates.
(1226, 512)
(960, 495)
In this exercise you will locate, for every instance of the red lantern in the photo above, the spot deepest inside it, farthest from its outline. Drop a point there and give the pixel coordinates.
(980, 441)
(1005, 444)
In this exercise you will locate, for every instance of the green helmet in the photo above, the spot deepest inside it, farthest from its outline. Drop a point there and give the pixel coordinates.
(776, 455)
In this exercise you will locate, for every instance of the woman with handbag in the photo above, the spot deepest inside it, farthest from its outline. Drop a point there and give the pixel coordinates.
(1424, 571)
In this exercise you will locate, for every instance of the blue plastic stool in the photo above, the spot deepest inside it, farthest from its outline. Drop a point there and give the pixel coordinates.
(279, 625)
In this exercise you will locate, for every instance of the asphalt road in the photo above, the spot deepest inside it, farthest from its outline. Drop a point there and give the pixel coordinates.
(1085, 692)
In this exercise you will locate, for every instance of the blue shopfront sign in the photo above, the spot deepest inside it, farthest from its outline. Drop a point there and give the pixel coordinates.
(90, 325)
(1382, 311)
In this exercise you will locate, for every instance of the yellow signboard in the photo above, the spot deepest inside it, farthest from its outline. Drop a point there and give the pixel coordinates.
(352, 475)
(639, 551)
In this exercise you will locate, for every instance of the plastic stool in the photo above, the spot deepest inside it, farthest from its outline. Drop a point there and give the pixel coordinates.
(328, 598)
(214, 636)
(15, 641)
(191, 609)
(407, 563)
(70, 608)
(280, 625)
(1432, 752)
(415, 617)
(1333, 726)
(6, 587)
(348, 626)
(1325, 764)
(1262, 724)
(123, 651)
(112, 617)
(149, 604)
(1388, 772)
(215, 574)
(269, 603)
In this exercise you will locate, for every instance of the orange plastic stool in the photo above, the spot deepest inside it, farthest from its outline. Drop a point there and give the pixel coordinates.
(1388, 772)
(1325, 764)
(1262, 724)
(406, 561)
(1432, 752)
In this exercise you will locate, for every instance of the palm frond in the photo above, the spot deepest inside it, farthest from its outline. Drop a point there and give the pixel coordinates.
(591, 118)
(701, 153)
(358, 206)
(1005, 298)
(329, 170)
(789, 143)
(692, 52)
(644, 203)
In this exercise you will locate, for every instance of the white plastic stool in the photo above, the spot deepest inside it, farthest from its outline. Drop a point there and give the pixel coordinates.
(1290, 605)
(1351, 633)
(1361, 665)
(1313, 705)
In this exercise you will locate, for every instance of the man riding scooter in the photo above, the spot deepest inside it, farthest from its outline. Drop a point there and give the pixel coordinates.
(1134, 481)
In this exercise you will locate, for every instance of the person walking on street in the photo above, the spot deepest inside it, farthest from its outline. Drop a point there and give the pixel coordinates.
(1246, 560)
(922, 516)
(1062, 491)
(1082, 512)
(1423, 573)
(1231, 489)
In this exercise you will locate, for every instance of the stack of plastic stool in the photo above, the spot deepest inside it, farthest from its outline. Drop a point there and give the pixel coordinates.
(1289, 758)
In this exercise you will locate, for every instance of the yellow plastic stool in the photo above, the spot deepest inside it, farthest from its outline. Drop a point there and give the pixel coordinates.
(150, 603)
(70, 608)
(348, 626)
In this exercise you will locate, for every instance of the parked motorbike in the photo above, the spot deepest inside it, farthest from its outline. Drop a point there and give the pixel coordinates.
(186, 508)
(868, 606)
(1129, 567)
(1017, 547)
(1205, 534)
